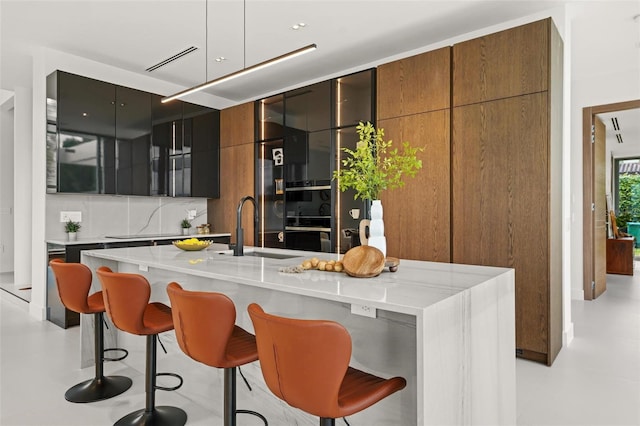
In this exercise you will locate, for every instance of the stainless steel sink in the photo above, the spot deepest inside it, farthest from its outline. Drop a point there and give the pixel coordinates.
(264, 254)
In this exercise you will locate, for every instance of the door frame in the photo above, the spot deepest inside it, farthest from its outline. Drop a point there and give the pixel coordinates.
(588, 114)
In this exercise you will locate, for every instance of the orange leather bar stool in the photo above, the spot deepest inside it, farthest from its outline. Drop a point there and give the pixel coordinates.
(206, 332)
(299, 369)
(74, 283)
(126, 297)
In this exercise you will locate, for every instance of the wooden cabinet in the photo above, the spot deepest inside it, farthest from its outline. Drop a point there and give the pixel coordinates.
(620, 255)
(509, 63)
(506, 172)
(413, 101)
(237, 165)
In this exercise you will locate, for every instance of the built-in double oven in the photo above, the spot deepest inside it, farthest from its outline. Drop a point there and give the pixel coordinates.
(308, 215)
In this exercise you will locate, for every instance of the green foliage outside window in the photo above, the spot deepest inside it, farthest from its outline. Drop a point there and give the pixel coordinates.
(628, 199)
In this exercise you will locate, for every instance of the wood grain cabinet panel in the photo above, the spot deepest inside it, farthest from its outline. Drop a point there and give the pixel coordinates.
(414, 85)
(417, 216)
(508, 63)
(507, 171)
(236, 125)
(501, 203)
(237, 166)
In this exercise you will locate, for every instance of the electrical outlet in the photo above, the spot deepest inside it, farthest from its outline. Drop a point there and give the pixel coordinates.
(364, 310)
(74, 216)
(143, 268)
(191, 214)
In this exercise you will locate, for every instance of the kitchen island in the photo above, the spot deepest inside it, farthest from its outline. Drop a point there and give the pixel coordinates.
(448, 329)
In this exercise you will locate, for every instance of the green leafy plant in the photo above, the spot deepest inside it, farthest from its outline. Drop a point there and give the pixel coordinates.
(374, 165)
(71, 226)
(185, 224)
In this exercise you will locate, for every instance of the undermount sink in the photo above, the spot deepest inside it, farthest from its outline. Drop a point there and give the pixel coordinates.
(266, 254)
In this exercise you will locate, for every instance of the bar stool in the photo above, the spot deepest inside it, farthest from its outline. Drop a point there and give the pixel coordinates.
(306, 364)
(206, 332)
(126, 298)
(74, 282)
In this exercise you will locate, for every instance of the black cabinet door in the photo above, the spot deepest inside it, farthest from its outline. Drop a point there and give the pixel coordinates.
(166, 146)
(205, 154)
(86, 135)
(133, 141)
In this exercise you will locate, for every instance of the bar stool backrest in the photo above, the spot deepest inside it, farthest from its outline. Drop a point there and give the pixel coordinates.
(74, 282)
(303, 361)
(203, 322)
(126, 297)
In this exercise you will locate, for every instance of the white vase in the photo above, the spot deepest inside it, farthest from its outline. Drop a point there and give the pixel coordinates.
(72, 236)
(186, 231)
(376, 228)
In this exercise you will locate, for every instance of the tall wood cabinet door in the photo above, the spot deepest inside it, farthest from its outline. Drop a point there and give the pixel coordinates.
(417, 216)
(501, 201)
(500, 65)
(237, 164)
(414, 85)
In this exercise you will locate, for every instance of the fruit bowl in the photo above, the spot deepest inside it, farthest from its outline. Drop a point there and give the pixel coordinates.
(192, 244)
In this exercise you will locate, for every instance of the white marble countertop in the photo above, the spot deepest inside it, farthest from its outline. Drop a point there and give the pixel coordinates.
(155, 237)
(413, 288)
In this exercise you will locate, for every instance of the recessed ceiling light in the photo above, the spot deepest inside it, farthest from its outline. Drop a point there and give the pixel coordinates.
(298, 26)
(220, 59)
(84, 114)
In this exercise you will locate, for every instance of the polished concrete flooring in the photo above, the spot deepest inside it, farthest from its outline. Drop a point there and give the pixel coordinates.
(594, 381)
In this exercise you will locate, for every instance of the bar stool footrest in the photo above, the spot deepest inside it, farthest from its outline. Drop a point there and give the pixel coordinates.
(126, 354)
(254, 413)
(98, 389)
(165, 388)
(159, 416)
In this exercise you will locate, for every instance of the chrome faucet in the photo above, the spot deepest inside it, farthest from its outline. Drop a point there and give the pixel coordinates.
(238, 250)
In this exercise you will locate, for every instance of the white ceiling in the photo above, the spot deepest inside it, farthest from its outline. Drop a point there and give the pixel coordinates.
(135, 34)
(628, 129)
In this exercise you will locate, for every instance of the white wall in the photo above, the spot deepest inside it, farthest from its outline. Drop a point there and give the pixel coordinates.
(6, 185)
(597, 78)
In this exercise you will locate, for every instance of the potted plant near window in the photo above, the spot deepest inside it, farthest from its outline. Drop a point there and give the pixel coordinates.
(185, 225)
(71, 228)
(373, 167)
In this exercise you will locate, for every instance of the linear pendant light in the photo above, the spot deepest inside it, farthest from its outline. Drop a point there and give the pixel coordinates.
(245, 71)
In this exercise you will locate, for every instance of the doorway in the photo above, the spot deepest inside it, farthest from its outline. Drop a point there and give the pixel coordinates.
(594, 205)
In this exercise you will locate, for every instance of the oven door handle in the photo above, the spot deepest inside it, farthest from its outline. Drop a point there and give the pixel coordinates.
(307, 228)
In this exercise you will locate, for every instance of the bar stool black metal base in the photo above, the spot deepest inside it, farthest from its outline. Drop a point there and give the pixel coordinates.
(98, 389)
(159, 416)
(254, 413)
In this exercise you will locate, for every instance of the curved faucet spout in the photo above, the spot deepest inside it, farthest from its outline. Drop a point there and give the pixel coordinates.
(239, 248)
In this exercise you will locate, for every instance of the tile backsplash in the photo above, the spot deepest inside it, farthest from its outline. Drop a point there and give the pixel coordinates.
(120, 215)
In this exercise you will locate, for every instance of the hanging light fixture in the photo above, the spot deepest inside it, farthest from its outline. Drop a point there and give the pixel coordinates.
(245, 70)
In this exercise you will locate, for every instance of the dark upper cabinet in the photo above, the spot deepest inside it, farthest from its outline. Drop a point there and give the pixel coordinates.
(309, 108)
(204, 134)
(185, 150)
(166, 147)
(86, 134)
(353, 99)
(133, 142)
(109, 139)
(270, 118)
